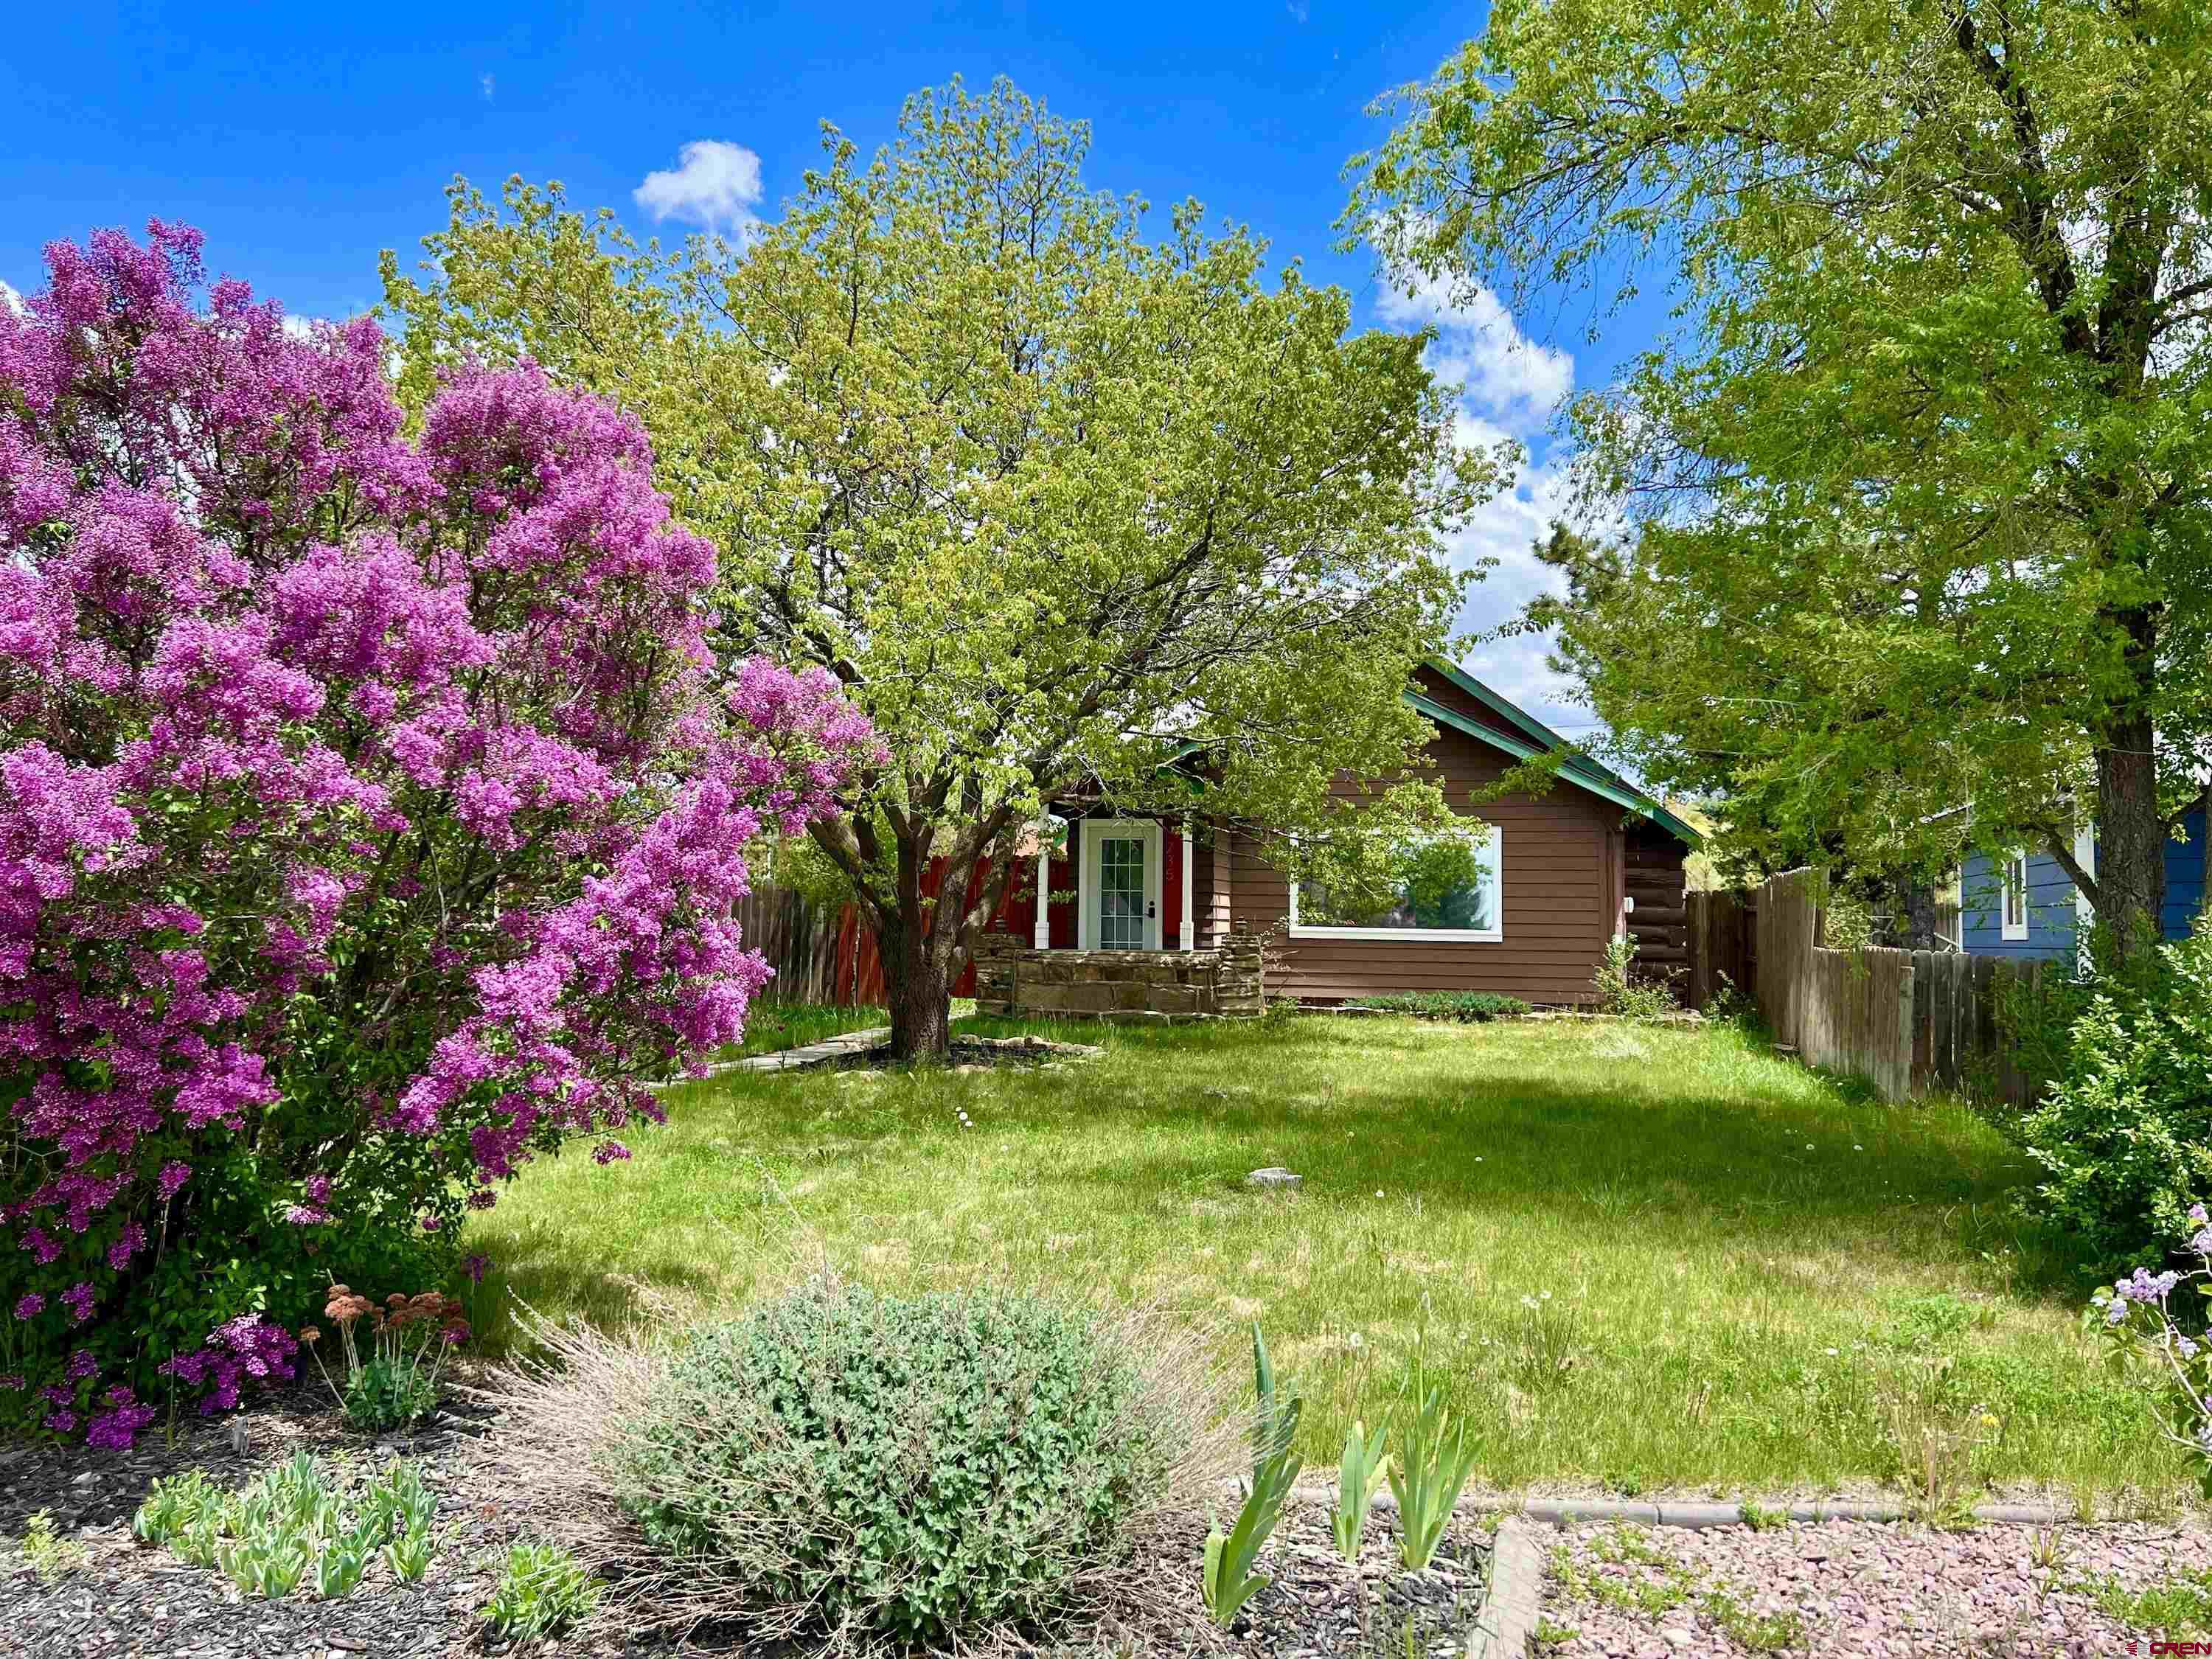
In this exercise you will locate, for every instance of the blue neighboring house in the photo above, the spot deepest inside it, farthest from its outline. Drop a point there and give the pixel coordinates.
(2026, 906)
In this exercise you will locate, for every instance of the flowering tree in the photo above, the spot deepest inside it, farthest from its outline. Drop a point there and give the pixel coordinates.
(1054, 494)
(2138, 1313)
(371, 813)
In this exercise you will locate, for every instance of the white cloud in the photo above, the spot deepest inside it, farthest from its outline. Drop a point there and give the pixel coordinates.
(714, 184)
(13, 302)
(1478, 346)
(1505, 531)
(487, 86)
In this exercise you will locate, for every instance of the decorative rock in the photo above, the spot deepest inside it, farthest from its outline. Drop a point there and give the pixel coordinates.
(1272, 1177)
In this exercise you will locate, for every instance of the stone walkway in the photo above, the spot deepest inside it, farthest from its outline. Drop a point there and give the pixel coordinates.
(812, 1054)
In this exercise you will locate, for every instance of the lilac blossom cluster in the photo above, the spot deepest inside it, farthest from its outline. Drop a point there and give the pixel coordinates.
(2138, 1312)
(371, 810)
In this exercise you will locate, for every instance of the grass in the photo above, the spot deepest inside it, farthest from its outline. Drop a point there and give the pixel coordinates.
(1642, 1258)
(771, 1026)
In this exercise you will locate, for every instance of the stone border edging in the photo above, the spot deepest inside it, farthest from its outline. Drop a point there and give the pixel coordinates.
(1558, 1511)
(1514, 1599)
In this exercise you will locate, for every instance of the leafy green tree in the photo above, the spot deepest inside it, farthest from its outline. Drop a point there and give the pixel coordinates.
(1918, 475)
(1055, 503)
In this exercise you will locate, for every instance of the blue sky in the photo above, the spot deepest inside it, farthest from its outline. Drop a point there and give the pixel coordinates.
(303, 143)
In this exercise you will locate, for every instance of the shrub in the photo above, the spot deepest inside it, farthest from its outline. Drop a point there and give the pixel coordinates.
(371, 817)
(2139, 1319)
(920, 1466)
(1467, 1007)
(543, 1590)
(879, 1468)
(1620, 992)
(2123, 1134)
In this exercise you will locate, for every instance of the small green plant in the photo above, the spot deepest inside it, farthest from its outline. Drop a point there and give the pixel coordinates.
(1359, 1477)
(1228, 1581)
(1466, 1007)
(1619, 990)
(410, 1554)
(175, 1506)
(392, 1379)
(1934, 1435)
(52, 1556)
(301, 1522)
(1759, 1518)
(1435, 1456)
(1755, 1633)
(1549, 1635)
(543, 1590)
(2181, 1605)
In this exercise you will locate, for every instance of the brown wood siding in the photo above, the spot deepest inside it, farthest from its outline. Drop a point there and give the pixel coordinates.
(1209, 888)
(1564, 863)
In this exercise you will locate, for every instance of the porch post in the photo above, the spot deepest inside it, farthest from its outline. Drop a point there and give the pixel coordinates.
(1187, 933)
(1041, 932)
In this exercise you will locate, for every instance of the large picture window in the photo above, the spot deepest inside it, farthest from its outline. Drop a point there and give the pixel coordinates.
(1448, 887)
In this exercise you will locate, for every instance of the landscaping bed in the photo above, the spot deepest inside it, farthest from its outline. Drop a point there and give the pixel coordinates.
(1625, 1592)
(116, 1595)
(120, 1596)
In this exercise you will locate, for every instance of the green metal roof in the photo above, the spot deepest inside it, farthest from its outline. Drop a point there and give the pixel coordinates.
(1578, 769)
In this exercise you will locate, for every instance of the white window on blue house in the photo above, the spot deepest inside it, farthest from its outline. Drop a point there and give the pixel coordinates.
(2015, 897)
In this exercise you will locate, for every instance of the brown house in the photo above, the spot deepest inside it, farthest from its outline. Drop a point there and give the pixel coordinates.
(1529, 913)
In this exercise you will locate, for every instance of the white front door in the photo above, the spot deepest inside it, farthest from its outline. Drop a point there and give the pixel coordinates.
(1121, 884)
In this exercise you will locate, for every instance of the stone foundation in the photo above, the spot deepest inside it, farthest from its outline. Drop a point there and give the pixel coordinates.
(1222, 981)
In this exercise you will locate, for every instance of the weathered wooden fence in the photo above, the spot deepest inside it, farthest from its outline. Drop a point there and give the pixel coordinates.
(801, 940)
(1909, 1022)
(1721, 937)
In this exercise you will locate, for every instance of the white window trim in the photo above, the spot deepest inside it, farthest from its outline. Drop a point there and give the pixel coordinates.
(1093, 833)
(1494, 934)
(2010, 931)
(2085, 854)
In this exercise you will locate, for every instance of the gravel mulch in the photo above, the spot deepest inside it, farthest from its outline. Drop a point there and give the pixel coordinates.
(122, 1599)
(1845, 1588)
(126, 1598)
(1310, 1609)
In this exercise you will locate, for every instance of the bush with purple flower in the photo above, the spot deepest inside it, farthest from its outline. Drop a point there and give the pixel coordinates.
(2158, 1319)
(372, 813)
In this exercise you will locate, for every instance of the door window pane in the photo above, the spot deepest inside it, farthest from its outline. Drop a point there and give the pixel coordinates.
(1122, 893)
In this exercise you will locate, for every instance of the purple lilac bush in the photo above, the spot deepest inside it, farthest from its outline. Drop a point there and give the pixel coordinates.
(371, 815)
(2140, 1316)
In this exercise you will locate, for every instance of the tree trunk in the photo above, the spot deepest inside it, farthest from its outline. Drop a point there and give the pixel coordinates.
(919, 992)
(920, 951)
(2130, 839)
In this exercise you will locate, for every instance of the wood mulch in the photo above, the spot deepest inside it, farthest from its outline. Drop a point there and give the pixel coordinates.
(121, 1598)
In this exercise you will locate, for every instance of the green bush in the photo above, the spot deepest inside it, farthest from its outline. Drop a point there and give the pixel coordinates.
(1469, 1007)
(912, 1466)
(2123, 1134)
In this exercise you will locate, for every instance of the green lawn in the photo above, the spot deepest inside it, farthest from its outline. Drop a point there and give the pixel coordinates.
(1644, 1258)
(770, 1026)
